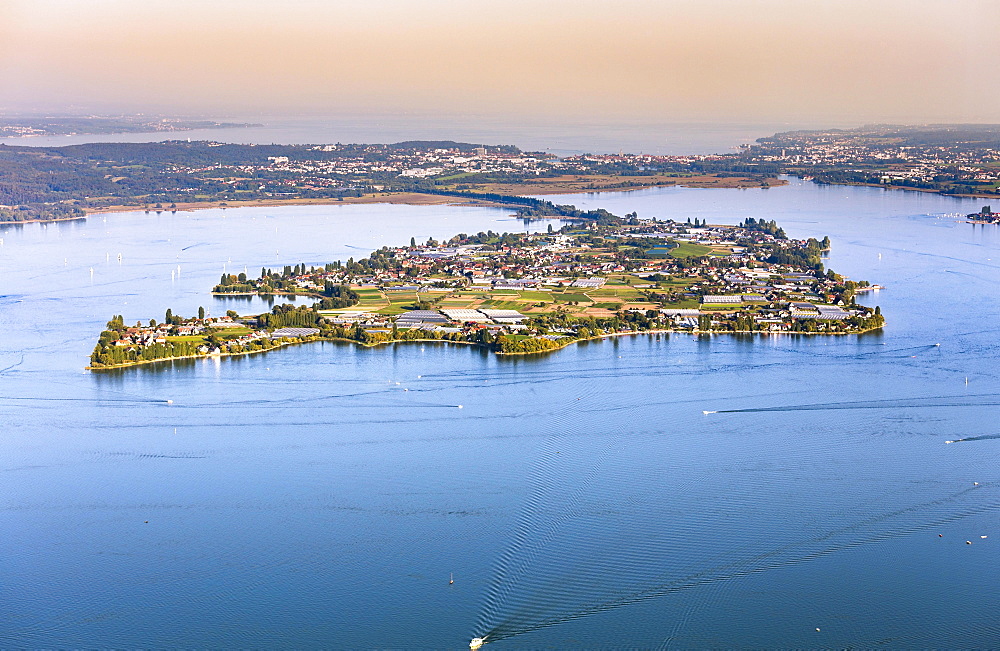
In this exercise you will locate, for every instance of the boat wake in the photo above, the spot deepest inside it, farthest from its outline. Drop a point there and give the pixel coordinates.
(977, 400)
(984, 437)
(554, 593)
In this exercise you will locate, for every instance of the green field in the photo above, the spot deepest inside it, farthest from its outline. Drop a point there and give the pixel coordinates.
(231, 333)
(536, 296)
(580, 298)
(503, 305)
(623, 292)
(196, 339)
(684, 304)
(370, 299)
(688, 250)
(453, 177)
(399, 302)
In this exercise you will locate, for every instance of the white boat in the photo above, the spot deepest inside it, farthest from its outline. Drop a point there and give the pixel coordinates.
(476, 643)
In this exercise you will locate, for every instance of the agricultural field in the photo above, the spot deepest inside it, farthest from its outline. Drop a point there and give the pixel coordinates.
(370, 299)
(689, 250)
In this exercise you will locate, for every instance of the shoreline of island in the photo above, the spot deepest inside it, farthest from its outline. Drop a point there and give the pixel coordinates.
(558, 347)
(218, 355)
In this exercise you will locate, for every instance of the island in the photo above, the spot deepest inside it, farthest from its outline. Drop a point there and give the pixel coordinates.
(515, 293)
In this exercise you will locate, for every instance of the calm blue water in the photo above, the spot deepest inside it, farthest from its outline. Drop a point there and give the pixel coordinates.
(321, 495)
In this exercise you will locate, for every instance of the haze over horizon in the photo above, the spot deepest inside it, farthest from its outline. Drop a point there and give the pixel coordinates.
(772, 61)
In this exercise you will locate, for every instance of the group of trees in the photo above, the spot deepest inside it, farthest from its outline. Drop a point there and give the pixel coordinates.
(511, 344)
(808, 257)
(763, 226)
(234, 284)
(332, 296)
(287, 316)
(337, 296)
(117, 355)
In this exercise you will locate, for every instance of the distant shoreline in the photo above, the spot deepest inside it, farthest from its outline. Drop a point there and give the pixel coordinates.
(397, 198)
(421, 199)
(402, 198)
(416, 198)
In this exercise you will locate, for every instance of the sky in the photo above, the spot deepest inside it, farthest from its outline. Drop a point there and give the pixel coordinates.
(843, 61)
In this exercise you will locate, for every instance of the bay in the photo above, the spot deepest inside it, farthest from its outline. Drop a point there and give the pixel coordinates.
(322, 495)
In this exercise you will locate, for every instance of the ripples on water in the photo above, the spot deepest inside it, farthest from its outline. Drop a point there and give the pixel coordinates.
(321, 495)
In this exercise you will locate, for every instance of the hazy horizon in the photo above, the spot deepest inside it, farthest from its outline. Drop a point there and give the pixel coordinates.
(710, 61)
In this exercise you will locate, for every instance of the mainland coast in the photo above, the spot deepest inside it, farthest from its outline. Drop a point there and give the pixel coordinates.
(568, 184)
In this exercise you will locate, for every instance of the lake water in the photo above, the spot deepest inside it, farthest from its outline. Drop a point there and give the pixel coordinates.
(561, 137)
(322, 495)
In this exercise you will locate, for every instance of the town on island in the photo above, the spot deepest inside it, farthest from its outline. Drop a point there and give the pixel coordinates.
(520, 293)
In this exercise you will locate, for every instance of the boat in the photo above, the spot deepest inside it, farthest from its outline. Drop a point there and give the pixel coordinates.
(476, 643)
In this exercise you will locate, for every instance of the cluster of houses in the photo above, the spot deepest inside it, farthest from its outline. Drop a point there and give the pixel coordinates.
(890, 160)
(368, 162)
(586, 163)
(737, 277)
(549, 260)
(558, 260)
(381, 161)
(141, 336)
(426, 163)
